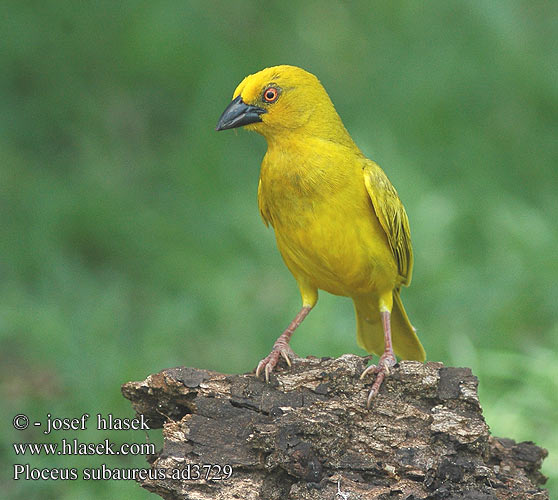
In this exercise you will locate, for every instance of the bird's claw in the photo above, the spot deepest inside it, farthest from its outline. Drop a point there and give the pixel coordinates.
(286, 357)
(386, 362)
(267, 365)
(368, 370)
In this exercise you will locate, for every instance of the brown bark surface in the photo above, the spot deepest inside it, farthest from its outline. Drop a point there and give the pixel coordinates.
(308, 435)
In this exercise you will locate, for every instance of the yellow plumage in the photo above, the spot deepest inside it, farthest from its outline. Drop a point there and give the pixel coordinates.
(339, 223)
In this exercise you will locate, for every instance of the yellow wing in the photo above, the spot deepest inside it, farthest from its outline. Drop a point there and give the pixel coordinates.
(392, 217)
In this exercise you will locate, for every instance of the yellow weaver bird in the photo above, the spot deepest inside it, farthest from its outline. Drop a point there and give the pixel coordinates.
(339, 223)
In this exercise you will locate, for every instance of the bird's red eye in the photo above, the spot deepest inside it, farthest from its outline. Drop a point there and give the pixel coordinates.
(270, 94)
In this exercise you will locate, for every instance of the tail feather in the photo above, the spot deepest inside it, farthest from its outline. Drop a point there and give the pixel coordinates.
(370, 333)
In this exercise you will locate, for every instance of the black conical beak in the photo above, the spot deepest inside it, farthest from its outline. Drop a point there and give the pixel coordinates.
(238, 113)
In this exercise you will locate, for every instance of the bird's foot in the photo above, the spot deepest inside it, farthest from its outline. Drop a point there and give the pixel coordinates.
(267, 364)
(386, 362)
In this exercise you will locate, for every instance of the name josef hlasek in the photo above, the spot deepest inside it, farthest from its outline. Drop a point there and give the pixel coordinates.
(106, 423)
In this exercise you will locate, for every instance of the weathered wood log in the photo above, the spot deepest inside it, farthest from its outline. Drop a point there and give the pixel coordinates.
(308, 435)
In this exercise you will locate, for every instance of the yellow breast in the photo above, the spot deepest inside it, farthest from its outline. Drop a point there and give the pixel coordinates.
(324, 222)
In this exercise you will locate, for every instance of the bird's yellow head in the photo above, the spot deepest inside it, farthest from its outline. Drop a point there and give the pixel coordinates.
(281, 100)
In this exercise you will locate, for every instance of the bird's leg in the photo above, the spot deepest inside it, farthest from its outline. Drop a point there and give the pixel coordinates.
(386, 362)
(281, 346)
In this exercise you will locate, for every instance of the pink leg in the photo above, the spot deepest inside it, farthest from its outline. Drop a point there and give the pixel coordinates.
(386, 362)
(281, 346)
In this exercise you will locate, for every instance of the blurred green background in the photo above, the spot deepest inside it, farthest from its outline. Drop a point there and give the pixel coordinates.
(130, 239)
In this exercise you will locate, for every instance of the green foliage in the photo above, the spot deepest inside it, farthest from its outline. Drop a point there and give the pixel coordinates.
(130, 239)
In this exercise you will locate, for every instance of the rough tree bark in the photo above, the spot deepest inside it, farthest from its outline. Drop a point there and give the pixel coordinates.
(308, 435)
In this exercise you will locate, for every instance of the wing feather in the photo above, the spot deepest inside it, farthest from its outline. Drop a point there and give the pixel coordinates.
(392, 217)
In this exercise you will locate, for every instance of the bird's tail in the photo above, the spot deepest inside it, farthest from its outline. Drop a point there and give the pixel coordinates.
(370, 333)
